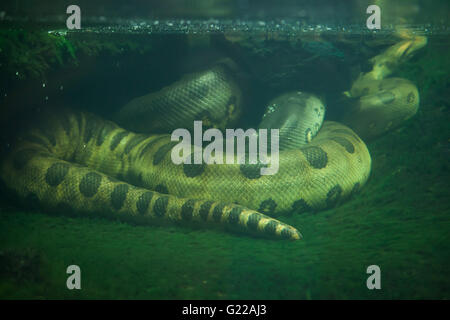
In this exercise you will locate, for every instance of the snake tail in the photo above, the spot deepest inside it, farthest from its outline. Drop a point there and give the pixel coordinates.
(54, 163)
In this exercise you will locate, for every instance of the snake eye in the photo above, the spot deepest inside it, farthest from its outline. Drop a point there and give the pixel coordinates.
(308, 135)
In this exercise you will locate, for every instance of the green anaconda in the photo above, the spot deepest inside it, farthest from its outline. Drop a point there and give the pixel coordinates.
(79, 161)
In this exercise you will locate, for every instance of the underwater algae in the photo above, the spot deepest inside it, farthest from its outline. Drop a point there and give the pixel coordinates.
(411, 230)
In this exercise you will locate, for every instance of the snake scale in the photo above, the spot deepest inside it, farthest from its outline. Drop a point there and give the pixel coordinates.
(73, 160)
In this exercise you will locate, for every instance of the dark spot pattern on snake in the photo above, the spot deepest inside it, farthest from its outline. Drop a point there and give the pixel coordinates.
(218, 211)
(187, 209)
(162, 151)
(271, 227)
(150, 144)
(133, 142)
(316, 157)
(56, 173)
(193, 170)
(253, 221)
(117, 138)
(160, 188)
(89, 184)
(89, 130)
(104, 132)
(144, 201)
(268, 206)
(204, 209)
(344, 143)
(285, 233)
(160, 206)
(300, 206)
(119, 195)
(333, 196)
(233, 217)
(251, 171)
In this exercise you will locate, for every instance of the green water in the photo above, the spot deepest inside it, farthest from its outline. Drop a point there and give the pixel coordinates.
(399, 221)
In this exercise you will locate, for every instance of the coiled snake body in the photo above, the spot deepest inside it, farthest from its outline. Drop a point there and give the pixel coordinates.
(78, 161)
